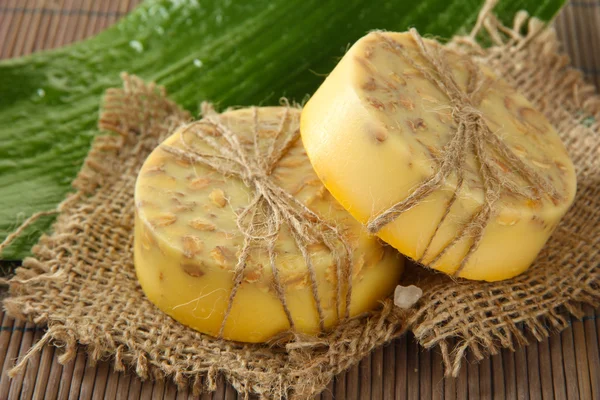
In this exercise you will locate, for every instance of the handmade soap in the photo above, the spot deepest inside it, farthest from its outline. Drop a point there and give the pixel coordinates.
(235, 235)
(438, 156)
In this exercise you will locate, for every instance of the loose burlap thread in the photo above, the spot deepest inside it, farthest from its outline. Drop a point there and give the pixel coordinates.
(82, 285)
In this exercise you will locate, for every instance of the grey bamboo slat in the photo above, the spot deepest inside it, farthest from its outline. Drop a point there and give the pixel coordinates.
(485, 380)
(545, 367)
(352, 380)
(389, 372)
(77, 377)
(12, 353)
(400, 349)
(32, 371)
(591, 338)
(377, 374)
(135, 388)
(533, 373)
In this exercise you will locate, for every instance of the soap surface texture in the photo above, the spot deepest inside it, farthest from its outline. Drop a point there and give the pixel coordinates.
(438, 156)
(235, 236)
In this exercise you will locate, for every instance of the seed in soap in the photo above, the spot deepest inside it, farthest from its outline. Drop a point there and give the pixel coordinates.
(299, 280)
(217, 196)
(331, 274)
(254, 274)
(429, 98)
(290, 163)
(539, 222)
(192, 245)
(533, 204)
(183, 206)
(222, 256)
(370, 85)
(560, 166)
(445, 117)
(375, 103)
(183, 163)
(175, 193)
(411, 73)
(507, 220)
(393, 105)
(147, 240)
(380, 135)
(417, 124)
(509, 104)
(358, 266)
(462, 138)
(540, 164)
(519, 150)
(530, 117)
(192, 269)
(398, 78)
(164, 219)
(155, 170)
(409, 105)
(391, 87)
(502, 166)
(202, 225)
(199, 183)
(205, 257)
(434, 152)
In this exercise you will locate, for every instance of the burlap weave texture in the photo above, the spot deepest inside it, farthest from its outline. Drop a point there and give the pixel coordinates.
(81, 281)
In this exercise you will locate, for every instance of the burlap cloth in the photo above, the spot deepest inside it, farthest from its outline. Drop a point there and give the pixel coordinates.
(81, 280)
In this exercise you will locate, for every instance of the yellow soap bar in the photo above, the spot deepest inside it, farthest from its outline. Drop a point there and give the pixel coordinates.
(438, 156)
(188, 241)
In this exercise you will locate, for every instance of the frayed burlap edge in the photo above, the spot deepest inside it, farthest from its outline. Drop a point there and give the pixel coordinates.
(482, 318)
(81, 282)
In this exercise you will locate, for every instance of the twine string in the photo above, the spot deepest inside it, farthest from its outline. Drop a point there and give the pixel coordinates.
(271, 207)
(472, 136)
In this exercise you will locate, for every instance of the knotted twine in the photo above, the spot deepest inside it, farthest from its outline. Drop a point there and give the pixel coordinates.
(275, 205)
(472, 134)
(452, 317)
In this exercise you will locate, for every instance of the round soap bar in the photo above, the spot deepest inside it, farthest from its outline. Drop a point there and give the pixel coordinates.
(438, 156)
(188, 241)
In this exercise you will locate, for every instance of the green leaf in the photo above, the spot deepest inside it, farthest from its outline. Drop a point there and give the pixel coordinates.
(229, 52)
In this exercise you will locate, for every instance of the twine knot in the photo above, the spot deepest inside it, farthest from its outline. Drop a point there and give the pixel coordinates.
(271, 207)
(255, 177)
(471, 135)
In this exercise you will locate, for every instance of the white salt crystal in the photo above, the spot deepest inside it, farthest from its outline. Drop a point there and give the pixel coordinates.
(406, 296)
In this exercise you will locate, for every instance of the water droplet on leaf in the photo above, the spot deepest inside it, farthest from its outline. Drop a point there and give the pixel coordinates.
(136, 45)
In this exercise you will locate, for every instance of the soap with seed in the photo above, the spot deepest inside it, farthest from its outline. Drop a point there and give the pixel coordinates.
(188, 242)
(438, 156)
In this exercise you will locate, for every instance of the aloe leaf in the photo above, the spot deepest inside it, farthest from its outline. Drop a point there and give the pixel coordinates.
(228, 52)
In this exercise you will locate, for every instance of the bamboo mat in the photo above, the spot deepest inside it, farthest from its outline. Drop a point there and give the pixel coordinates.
(566, 366)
